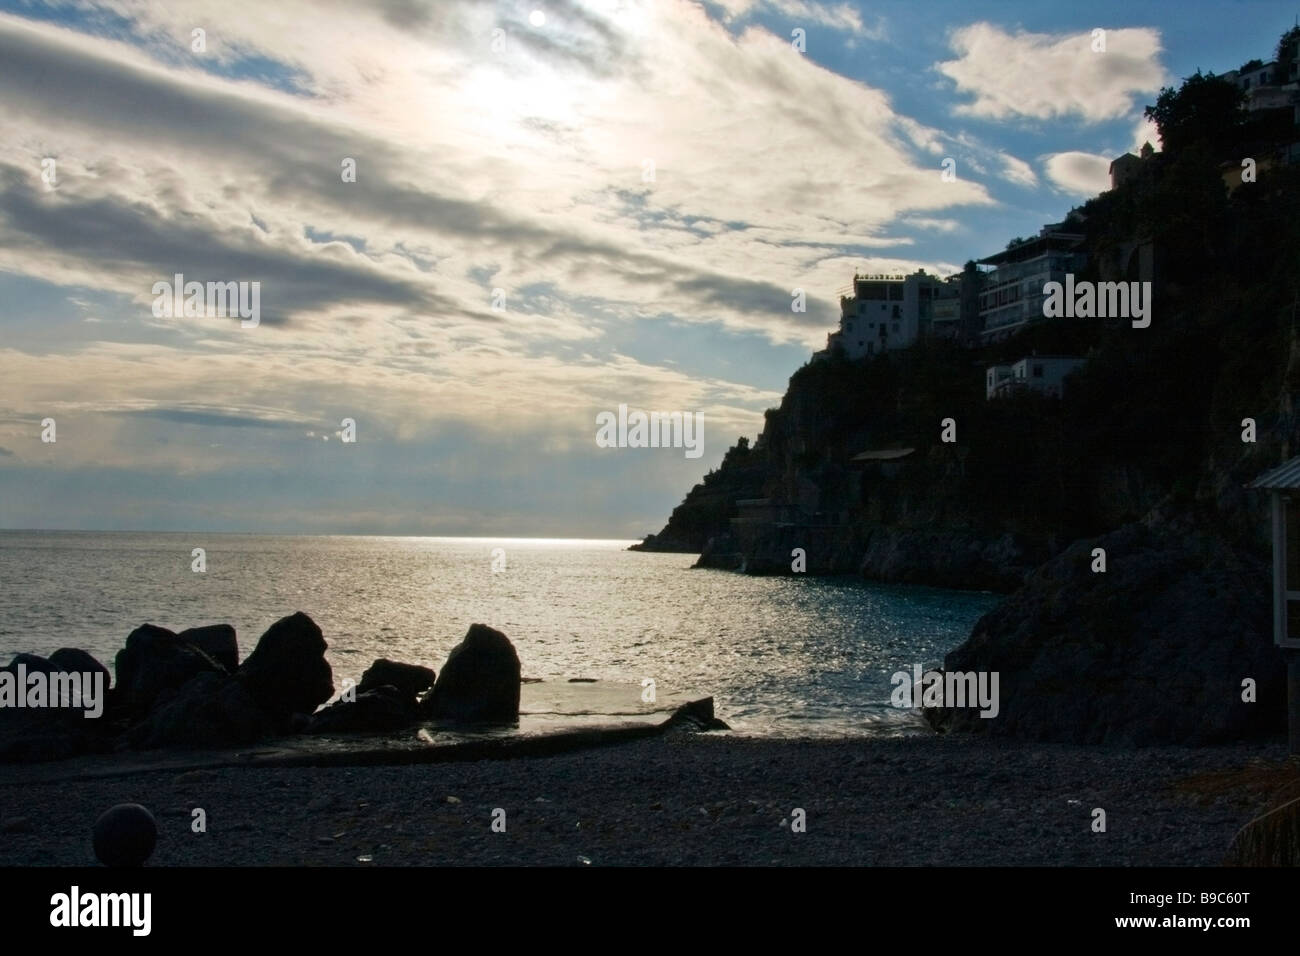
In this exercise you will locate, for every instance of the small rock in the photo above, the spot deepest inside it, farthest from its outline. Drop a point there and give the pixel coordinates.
(453, 799)
(378, 709)
(410, 679)
(125, 835)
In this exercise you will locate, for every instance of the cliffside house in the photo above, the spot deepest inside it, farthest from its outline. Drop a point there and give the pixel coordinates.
(1012, 296)
(883, 313)
(1045, 374)
(1264, 84)
(1269, 86)
(1123, 168)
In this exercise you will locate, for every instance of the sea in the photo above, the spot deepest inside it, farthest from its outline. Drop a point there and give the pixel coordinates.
(604, 634)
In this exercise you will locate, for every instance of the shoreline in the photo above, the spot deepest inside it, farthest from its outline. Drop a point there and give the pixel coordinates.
(679, 799)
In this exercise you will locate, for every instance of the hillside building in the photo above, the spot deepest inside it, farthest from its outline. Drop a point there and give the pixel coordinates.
(884, 313)
(1045, 374)
(1012, 295)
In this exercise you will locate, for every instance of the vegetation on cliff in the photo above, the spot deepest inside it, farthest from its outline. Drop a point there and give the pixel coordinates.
(1155, 416)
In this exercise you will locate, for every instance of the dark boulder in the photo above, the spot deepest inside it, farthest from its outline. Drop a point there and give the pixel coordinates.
(36, 734)
(480, 681)
(695, 716)
(287, 672)
(31, 662)
(20, 682)
(211, 710)
(1154, 650)
(218, 641)
(156, 662)
(411, 679)
(378, 708)
(74, 660)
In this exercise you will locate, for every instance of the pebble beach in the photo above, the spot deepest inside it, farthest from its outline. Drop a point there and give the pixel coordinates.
(680, 799)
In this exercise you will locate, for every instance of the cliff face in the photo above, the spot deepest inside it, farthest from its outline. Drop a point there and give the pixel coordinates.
(1144, 460)
(1155, 417)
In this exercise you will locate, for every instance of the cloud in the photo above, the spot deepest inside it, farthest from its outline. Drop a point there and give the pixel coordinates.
(1080, 174)
(837, 16)
(526, 198)
(521, 170)
(1018, 171)
(1048, 76)
(224, 419)
(1145, 131)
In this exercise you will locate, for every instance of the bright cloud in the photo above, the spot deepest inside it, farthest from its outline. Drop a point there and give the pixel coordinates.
(535, 212)
(1018, 171)
(1044, 76)
(1080, 174)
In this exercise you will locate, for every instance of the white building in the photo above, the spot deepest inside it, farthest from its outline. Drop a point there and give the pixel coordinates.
(888, 312)
(1045, 374)
(996, 378)
(1265, 86)
(1012, 296)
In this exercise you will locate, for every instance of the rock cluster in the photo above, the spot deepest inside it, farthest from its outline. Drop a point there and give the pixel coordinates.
(190, 689)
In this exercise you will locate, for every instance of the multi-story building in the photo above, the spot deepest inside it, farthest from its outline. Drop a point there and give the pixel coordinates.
(945, 314)
(1268, 86)
(1045, 374)
(1012, 296)
(888, 312)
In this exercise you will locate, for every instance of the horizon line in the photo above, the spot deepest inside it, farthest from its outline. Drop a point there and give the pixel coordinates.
(318, 534)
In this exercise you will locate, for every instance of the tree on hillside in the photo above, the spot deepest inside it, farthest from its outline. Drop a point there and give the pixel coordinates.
(1288, 50)
(1206, 109)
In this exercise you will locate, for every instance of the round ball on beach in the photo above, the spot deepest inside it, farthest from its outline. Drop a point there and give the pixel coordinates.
(125, 835)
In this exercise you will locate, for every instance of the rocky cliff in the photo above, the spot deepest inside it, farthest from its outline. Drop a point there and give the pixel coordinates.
(1146, 457)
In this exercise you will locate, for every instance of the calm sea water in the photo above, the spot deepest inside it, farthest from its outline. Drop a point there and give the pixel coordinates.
(781, 656)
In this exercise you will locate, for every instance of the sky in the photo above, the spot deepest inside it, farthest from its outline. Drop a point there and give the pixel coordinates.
(475, 226)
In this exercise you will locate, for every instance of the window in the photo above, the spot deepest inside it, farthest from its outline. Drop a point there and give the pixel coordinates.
(870, 348)
(1038, 371)
(895, 326)
(873, 325)
(897, 311)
